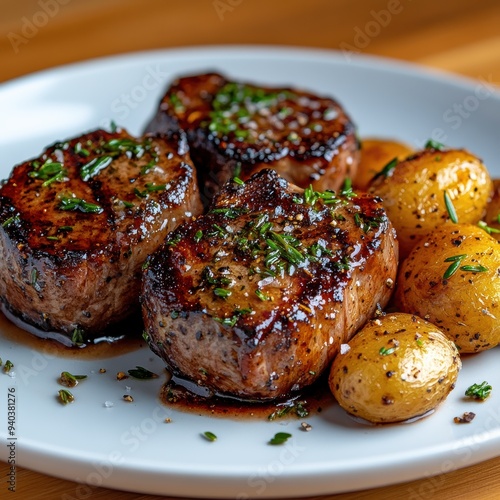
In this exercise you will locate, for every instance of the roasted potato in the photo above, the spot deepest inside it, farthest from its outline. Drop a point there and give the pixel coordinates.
(375, 155)
(492, 219)
(413, 192)
(452, 279)
(398, 367)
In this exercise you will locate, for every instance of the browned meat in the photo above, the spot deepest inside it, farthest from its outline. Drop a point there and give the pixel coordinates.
(237, 129)
(254, 298)
(77, 223)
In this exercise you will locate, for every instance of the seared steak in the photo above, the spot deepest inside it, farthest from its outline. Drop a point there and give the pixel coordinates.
(77, 223)
(254, 298)
(236, 129)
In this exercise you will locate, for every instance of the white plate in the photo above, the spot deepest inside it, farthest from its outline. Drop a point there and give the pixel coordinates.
(129, 446)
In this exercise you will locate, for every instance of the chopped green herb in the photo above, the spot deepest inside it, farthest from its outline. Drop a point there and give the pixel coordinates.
(149, 188)
(209, 436)
(488, 229)
(10, 221)
(432, 144)
(93, 167)
(387, 169)
(141, 373)
(479, 391)
(66, 397)
(70, 380)
(49, 172)
(237, 180)
(72, 203)
(198, 236)
(296, 408)
(456, 261)
(145, 335)
(385, 351)
(231, 321)
(53, 238)
(8, 366)
(452, 214)
(455, 264)
(77, 336)
(262, 296)
(280, 438)
(222, 292)
(474, 269)
(79, 150)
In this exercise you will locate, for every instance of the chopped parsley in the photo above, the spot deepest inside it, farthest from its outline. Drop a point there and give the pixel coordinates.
(280, 438)
(142, 373)
(479, 391)
(77, 204)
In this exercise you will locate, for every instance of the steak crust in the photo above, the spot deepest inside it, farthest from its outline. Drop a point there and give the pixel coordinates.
(237, 129)
(77, 223)
(254, 298)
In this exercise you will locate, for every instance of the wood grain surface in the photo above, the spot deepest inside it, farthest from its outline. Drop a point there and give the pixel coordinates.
(461, 36)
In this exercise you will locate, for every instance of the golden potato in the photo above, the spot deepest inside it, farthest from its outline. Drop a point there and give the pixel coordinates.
(492, 218)
(452, 279)
(413, 192)
(398, 367)
(375, 155)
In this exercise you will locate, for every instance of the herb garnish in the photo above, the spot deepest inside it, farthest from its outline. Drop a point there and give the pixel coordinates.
(77, 336)
(488, 229)
(10, 221)
(387, 169)
(142, 373)
(73, 203)
(8, 366)
(66, 397)
(280, 438)
(297, 408)
(70, 380)
(456, 260)
(479, 391)
(93, 167)
(231, 321)
(385, 351)
(452, 214)
(209, 436)
(432, 144)
(49, 172)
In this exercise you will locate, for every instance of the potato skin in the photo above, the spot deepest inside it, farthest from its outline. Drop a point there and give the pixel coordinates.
(466, 305)
(416, 371)
(375, 155)
(493, 210)
(413, 192)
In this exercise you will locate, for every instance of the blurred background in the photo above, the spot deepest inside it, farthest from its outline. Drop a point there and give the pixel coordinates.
(460, 36)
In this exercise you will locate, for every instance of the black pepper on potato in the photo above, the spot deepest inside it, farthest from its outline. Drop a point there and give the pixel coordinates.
(413, 192)
(397, 367)
(452, 279)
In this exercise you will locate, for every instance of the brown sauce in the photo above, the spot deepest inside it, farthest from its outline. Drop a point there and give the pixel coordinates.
(176, 393)
(186, 396)
(120, 339)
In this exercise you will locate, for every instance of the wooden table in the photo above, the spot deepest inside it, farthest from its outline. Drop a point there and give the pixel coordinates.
(460, 36)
